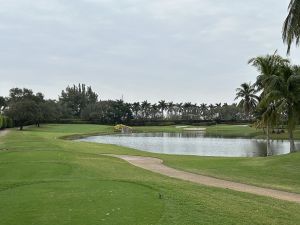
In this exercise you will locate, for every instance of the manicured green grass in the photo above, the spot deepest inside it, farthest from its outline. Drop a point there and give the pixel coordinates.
(45, 180)
(233, 131)
(246, 131)
(278, 172)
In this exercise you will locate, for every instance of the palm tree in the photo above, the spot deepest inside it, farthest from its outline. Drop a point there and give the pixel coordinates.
(178, 110)
(154, 110)
(268, 116)
(284, 89)
(249, 99)
(218, 107)
(291, 26)
(280, 86)
(267, 66)
(145, 106)
(162, 105)
(186, 109)
(203, 109)
(170, 109)
(136, 106)
(197, 111)
(193, 111)
(211, 111)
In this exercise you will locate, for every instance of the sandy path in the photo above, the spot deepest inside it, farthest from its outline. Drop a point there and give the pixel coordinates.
(156, 165)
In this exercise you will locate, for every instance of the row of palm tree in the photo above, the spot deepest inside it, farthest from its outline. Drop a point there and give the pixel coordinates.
(186, 111)
(274, 99)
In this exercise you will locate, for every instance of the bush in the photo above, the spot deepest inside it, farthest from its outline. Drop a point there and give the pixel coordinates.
(9, 123)
(4, 122)
(122, 128)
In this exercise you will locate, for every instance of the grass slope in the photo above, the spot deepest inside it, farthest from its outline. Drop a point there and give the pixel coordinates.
(46, 180)
(246, 131)
(277, 172)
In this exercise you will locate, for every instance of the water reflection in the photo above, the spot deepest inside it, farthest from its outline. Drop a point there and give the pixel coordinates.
(193, 143)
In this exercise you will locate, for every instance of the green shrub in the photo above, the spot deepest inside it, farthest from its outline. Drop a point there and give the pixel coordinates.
(4, 122)
(9, 123)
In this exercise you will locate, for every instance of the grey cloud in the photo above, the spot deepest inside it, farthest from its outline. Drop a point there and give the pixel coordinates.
(180, 50)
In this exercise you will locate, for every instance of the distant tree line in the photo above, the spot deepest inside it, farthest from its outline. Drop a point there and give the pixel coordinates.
(185, 111)
(80, 103)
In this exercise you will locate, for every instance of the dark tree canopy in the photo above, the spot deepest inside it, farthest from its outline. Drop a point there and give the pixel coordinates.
(25, 107)
(3, 103)
(18, 94)
(23, 111)
(78, 97)
(108, 112)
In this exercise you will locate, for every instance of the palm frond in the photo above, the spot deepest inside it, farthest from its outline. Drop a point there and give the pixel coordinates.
(291, 26)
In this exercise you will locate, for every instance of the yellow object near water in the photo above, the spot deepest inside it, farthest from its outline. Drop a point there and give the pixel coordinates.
(122, 128)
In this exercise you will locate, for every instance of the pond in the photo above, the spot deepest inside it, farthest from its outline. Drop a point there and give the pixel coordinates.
(193, 143)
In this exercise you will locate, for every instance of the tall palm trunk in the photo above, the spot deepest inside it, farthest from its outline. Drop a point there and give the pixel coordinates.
(292, 142)
(269, 150)
(291, 126)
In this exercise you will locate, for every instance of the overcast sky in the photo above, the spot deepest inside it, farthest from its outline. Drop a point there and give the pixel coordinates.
(177, 50)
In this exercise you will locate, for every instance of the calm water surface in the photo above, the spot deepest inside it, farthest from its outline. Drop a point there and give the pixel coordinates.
(192, 143)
